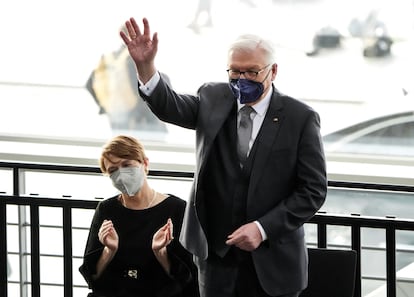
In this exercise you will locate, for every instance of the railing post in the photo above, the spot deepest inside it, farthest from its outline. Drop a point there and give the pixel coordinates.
(356, 246)
(35, 250)
(67, 252)
(322, 241)
(391, 262)
(3, 248)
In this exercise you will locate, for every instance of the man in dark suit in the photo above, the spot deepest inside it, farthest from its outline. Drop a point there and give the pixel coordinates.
(244, 221)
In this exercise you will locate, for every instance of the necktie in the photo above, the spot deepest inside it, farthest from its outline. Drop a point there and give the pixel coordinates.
(244, 132)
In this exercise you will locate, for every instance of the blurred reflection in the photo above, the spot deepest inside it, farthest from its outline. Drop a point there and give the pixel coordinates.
(355, 64)
(203, 11)
(113, 85)
(203, 15)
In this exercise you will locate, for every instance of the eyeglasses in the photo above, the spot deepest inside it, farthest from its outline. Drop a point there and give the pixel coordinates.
(249, 74)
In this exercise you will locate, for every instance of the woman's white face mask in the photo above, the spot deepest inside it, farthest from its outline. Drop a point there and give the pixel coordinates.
(128, 180)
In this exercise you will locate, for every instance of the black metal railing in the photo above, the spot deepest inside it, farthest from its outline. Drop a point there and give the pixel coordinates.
(322, 220)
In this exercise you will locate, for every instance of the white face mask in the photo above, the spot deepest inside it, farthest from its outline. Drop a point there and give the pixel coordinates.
(128, 180)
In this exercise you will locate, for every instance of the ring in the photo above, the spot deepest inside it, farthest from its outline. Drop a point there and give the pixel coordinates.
(133, 36)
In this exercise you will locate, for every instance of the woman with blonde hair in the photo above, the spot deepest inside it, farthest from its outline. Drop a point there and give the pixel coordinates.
(132, 247)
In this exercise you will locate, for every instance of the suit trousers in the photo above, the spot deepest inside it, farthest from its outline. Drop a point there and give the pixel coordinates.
(231, 276)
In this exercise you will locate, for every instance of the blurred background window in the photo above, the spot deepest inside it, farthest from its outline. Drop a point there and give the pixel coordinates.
(67, 83)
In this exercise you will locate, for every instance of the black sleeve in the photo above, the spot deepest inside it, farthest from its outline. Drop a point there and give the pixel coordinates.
(93, 249)
(183, 269)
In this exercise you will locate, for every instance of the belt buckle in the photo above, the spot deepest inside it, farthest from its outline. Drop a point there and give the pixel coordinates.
(132, 273)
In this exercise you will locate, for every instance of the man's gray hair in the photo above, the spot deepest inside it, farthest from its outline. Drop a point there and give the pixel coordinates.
(250, 42)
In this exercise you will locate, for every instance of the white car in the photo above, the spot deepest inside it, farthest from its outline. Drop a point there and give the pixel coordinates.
(379, 150)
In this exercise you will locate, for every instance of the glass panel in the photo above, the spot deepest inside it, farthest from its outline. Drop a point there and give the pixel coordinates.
(67, 185)
(51, 270)
(339, 236)
(311, 232)
(369, 203)
(51, 290)
(13, 289)
(90, 186)
(373, 288)
(51, 241)
(91, 93)
(380, 138)
(14, 268)
(82, 218)
(369, 42)
(6, 181)
(50, 216)
(180, 188)
(373, 263)
(405, 254)
(78, 279)
(79, 241)
(80, 291)
(12, 213)
(12, 238)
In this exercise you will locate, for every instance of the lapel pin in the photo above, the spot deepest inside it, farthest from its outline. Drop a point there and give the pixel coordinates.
(275, 119)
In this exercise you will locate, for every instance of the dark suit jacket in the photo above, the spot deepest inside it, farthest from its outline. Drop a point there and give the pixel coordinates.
(288, 178)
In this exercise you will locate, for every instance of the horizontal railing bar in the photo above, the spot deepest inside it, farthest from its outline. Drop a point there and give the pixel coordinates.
(368, 186)
(50, 226)
(363, 247)
(188, 174)
(362, 221)
(379, 278)
(50, 167)
(47, 201)
(320, 217)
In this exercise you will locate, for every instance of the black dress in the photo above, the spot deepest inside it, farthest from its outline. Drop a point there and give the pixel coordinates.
(134, 270)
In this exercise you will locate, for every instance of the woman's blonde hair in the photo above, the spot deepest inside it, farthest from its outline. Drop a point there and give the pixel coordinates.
(124, 147)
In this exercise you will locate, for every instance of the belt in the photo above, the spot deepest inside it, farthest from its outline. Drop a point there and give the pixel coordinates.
(131, 273)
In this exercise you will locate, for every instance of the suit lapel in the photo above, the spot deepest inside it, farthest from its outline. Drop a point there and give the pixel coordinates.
(266, 139)
(217, 116)
(218, 113)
